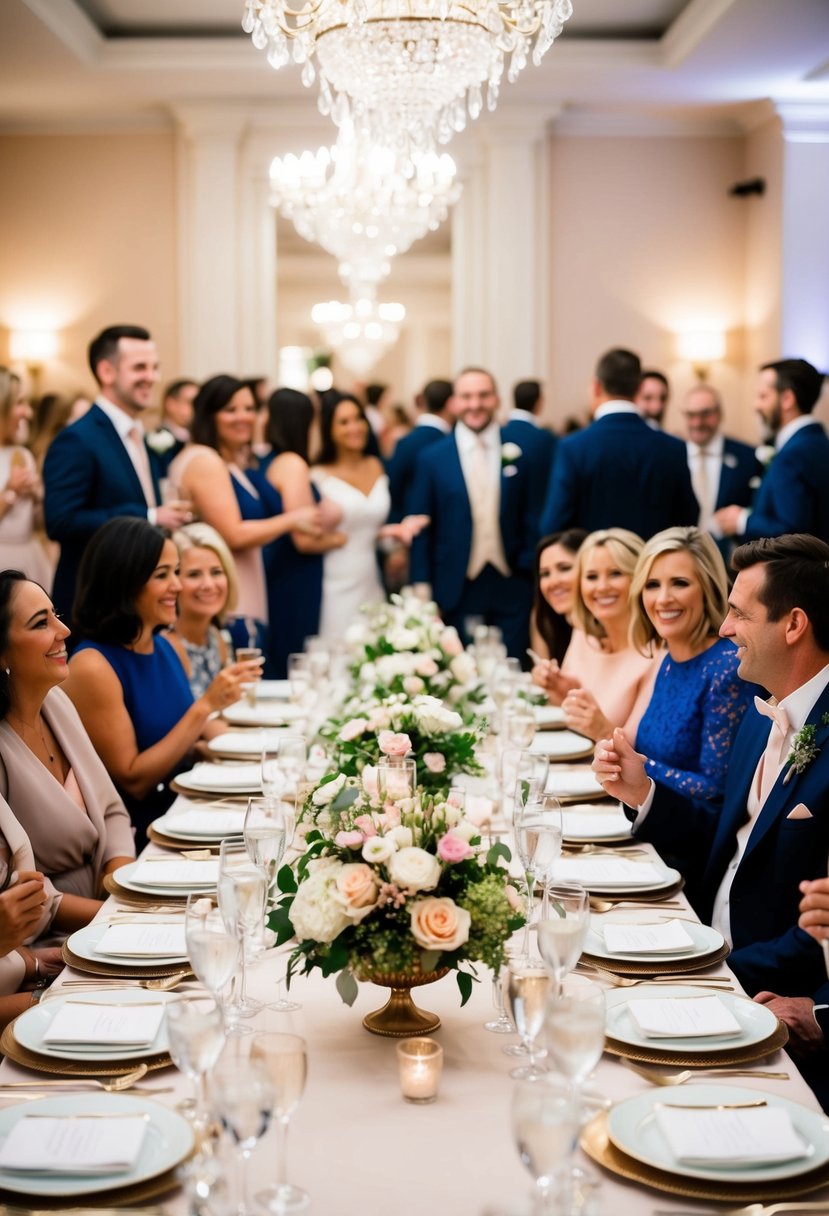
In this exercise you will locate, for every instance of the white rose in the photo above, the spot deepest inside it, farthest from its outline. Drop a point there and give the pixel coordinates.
(403, 837)
(466, 829)
(356, 635)
(324, 795)
(463, 668)
(415, 868)
(161, 441)
(316, 912)
(413, 685)
(402, 639)
(378, 849)
(510, 451)
(368, 673)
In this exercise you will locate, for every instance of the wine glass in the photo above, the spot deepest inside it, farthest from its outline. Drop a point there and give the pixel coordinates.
(283, 763)
(212, 950)
(242, 891)
(265, 835)
(562, 930)
(545, 1125)
(196, 1036)
(519, 725)
(528, 984)
(242, 1098)
(574, 1029)
(285, 1059)
(539, 829)
(299, 677)
(501, 1024)
(246, 654)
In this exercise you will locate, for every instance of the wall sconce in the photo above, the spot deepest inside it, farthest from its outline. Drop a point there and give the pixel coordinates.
(701, 348)
(33, 348)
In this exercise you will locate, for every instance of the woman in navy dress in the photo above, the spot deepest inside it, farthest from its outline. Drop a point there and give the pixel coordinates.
(125, 678)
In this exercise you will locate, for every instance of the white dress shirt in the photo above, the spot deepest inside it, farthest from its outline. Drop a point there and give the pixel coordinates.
(433, 420)
(615, 407)
(124, 425)
(523, 416)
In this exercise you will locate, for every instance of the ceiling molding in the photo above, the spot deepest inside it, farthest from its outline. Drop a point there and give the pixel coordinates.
(71, 25)
(609, 123)
(804, 122)
(693, 25)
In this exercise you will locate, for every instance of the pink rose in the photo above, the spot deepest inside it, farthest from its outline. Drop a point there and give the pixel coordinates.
(450, 642)
(426, 666)
(453, 848)
(353, 729)
(357, 889)
(349, 840)
(439, 924)
(366, 825)
(392, 744)
(435, 761)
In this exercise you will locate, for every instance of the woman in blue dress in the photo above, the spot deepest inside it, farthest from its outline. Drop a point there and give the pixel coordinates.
(125, 678)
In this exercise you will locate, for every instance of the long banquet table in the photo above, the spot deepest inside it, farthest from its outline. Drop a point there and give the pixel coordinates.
(360, 1150)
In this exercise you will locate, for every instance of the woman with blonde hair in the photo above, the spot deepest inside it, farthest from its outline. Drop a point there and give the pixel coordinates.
(209, 592)
(21, 490)
(603, 681)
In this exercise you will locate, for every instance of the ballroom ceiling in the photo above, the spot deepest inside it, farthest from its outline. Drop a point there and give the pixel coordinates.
(87, 63)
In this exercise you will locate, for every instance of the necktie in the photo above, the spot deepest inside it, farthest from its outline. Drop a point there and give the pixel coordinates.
(701, 484)
(138, 452)
(772, 757)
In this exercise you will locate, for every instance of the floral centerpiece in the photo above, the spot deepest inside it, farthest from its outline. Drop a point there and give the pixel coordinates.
(403, 889)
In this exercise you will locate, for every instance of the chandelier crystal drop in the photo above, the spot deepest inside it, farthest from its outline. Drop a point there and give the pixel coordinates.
(414, 67)
(360, 332)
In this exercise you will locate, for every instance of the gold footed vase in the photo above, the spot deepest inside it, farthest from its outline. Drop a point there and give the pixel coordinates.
(400, 1018)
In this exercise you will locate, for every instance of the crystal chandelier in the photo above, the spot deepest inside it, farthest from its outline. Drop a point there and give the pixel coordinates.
(360, 332)
(354, 201)
(412, 67)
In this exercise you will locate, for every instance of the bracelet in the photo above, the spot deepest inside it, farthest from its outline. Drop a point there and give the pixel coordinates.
(37, 965)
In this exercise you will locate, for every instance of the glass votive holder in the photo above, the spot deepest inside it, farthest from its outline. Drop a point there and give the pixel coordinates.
(420, 1062)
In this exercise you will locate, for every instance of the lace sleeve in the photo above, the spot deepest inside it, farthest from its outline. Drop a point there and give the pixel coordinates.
(723, 705)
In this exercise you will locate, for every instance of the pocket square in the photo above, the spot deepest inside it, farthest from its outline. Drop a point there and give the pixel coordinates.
(800, 812)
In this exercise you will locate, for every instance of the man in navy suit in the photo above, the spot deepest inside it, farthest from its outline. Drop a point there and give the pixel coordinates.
(100, 466)
(794, 494)
(652, 398)
(176, 420)
(773, 828)
(476, 556)
(618, 472)
(537, 444)
(432, 424)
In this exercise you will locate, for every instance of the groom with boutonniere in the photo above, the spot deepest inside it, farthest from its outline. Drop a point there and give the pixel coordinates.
(476, 556)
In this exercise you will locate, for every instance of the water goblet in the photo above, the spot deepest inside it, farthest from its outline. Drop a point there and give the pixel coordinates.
(242, 892)
(527, 986)
(545, 1125)
(196, 1036)
(562, 930)
(285, 1059)
(539, 829)
(574, 1031)
(519, 767)
(242, 1099)
(213, 951)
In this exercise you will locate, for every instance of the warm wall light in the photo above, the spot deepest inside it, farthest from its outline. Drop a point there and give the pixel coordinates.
(701, 348)
(33, 348)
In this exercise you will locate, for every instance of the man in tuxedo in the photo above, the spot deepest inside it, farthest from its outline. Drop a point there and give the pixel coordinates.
(773, 828)
(794, 494)
(476, 556)
(432, 424)
(618, 472)
(652, 398)
(101, 467)
(537, 444)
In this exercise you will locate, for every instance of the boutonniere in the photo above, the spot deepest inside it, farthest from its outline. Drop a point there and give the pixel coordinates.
(161, 441)
(510, 453)
(729, 460)
(804, 749)
(765, 454)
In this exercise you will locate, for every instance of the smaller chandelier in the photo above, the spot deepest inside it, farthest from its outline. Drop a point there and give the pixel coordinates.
(360, 332)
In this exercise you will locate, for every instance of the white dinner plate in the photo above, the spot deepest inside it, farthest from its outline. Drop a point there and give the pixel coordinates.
(706, 940)
(586, 823)
(578, 869)
(84, 941)
(562, 745)
(124, 879)
(756, 1021)
(169, 825)
(548, 716)
(269, 713)
(574, 783)
(32, 1025)
(222, 779)
(273, 690)
(247, 742)
(168, 1141)
(632, 1128)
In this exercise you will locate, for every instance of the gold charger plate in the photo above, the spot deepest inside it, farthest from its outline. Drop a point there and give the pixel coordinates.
(735, 1055)
(114, 887)
(178, 844)
(123, 970)
(673, 966)
(596, 1143)
(123, 1196)
(74, 1068)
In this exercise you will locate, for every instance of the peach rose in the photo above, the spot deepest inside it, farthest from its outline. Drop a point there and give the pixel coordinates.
(357, 889)
(439, 924)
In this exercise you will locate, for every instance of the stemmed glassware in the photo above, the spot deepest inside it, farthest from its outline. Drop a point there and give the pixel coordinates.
(196, 1035)
(562, 930)
(283, 763)
(545, 1125)
(285, 1060)
(527, 987)
(519, 724)
(242, 892)
(574, 1029)
(519, 767)
(501, 1024)
(213, 951)
(242, 1098)
(299, 677)
(539, 829)
(265, 834)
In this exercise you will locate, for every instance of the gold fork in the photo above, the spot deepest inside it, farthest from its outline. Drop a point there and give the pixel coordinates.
(679, 1078)
(753, 1209)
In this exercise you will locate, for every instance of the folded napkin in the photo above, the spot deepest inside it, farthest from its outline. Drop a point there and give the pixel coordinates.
(163, 873)
(246, 742)
(210, 777)
(208, 822)
(762, 1135)
(594, 825)
(630, 938)
(151, 939)
(74, 1144)
(97, 1024)
(684, 1018)
(608, 871)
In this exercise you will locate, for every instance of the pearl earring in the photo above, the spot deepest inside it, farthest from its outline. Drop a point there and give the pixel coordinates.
(8, 671)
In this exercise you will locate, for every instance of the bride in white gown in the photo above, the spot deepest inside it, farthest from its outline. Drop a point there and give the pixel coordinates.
(347, 475)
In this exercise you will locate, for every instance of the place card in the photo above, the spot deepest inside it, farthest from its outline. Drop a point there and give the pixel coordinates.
(630, 938)
(763, 1135)
(75, 1144)
(148, 939)
(172, 872)
(97, 1024)
(203, 822)
(607, 872)
(684, 1018)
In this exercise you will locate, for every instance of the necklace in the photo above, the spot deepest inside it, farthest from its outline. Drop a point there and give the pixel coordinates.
(35, 731)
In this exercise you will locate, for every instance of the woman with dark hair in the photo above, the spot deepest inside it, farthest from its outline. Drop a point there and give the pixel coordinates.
(126, 680)
(551, 621)
(294, 562)
(215, 473)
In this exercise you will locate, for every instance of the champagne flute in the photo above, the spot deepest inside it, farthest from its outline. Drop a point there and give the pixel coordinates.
(242, 890)
(574, 1029)
(519, 725)
(285, 1059)
(500, 1024)
(283, 762)
(562, 932)
(242, 1098)
(265, 835)
(213, 951)
(196, 1035)
(319, 658)
(247, 654)
(527, 987)
(539, 829)
(545, 1124)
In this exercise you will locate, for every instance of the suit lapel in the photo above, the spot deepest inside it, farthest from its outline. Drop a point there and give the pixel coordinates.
(119, 457)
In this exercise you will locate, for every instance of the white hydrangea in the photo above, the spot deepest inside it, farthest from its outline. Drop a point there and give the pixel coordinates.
(317, 912)
(463, 668)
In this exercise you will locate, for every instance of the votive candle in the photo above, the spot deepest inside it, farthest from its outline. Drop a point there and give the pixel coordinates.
(420, 1062)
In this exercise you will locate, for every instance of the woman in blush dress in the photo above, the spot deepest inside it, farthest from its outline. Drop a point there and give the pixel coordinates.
(22, 490)
(603, 681)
